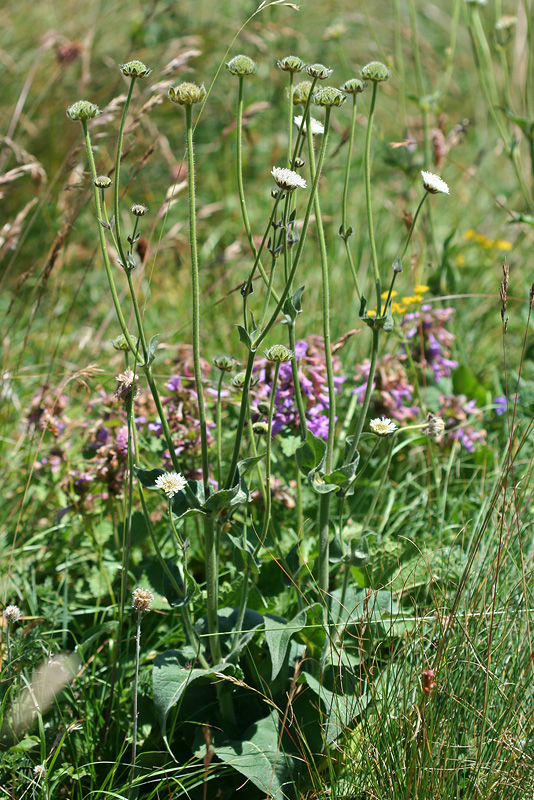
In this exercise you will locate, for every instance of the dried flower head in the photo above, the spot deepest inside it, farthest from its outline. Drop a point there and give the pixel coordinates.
(139, 210)
(319, 71)
(171, 483)
(329, 96)
(187, 94)
(279, 354)
(291, 64)
(125, 389)
(433, 183)
(102, 182)
(241, 65)
(434, 427)
(287, 179)
(12, 614)
(142, 599)
(316, 127)
(375, 71)
(353, 86)
(224, 363)
(382, 426)
(83, 110)
(135, 69)
(301, 92)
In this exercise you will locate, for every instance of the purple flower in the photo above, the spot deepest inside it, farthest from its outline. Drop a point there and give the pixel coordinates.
(501, 404)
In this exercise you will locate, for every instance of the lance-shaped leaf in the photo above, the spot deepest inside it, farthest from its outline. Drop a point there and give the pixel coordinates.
(278, 633)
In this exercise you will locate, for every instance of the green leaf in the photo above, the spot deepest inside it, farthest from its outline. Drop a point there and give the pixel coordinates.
(147, 477)
(363, 306)
(243, 336)
(340, 708)
(278, 634)
(310, 453)
(465, 382)
(246, 547)
(180, 504)
(524, 124)
(290, 445)
(233, 641)
(151, 349)
(293, 305)
(183, 589)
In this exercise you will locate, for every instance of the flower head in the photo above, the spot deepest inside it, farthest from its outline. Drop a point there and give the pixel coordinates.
(434, 427)
(171, 483)
(125, 384)
(287, 179)
(279, 354)
(315, 125)
(142, 599)
(353, 86)
(375, 71)
(139, 210)
(121, 343)
(187, 94)
(12, 614)
(433, 183)
(241, 65)
(102, 182)
(135, 69)
(83, 110)
(260, 428)
(382, 426)
(291, 64)
(224, 363)
(329, 96)
(301, 92)
(318, 71)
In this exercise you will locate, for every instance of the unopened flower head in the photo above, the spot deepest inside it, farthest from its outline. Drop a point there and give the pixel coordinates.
(135, 69)
(382, 426)
(102, 182)
(125, 385)
(291, 64)
(187, 94)
(433, 183)
(83, 110)
(142, 599)
(375, 71)
(12, 614)
(121, 343)
(299, 162)
(434, 427)
(329, 96)
(353, 86)
(238, 381)
(224, 363)
(241, 65)
(139, 210)
(287, 179)
(301, 92)
(319, 71)
(279, 353)
(315, 125)
(260, 428)
(171, 483)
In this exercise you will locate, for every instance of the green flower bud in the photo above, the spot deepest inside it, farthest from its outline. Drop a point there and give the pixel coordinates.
(291, 64)
(120, 342)
(187, 94)
(329, 96)
(376, 71)
(139, 210)
(241, 65)
(353, 86)
(279, 354)
(83, 110)
(261, 428)
(299, 162)
(263, 408)
(238, 381)
(135, 69)
(224, 363)
(102, 182)
(318, 71)
(301, 92)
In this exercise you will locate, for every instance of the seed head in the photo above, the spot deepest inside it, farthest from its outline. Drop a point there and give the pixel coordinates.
(434, 427)
(142, 599)
(375, 71)
(139, 210)
(224, 363)
(102, 182)
(329, 96)
(12, 614)
(171, 483)
(287, 179)
(279, 354)
(241, 65)
(125, 385)
(353, 86)
(382, 426)
(83, 110)
(315, 125)
(135, 69)
(433, 183)
(319, 71)
(291, 64)
(301, 92)
(187, 94)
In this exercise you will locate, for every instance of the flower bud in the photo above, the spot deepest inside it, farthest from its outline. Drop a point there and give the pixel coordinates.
(353, 86)
(299, 162)
(83, 110)
(120, 342)
(187, 94)
(434, 427)
(319, 71)
(135, 69)
(260, 428)
(301, 93)
(278, 353)
(376, 71)
(241, 65)
(329, 96)
(263, 408)
(102, 182)
(238, 381)
(291, 64)
(139, 210)
(224, 363)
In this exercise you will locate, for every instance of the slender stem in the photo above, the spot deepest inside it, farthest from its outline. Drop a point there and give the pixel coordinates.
(218, 418)
(212, 588)
(268, 493)
(296, 382)
(135, 712)
(345, 197)
(116, 186)
(412, 227)
(367, 173)
(366, 399)
(239, 159)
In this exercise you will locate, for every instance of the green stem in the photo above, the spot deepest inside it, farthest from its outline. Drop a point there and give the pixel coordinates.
(268, 494)
(296, 382)
(135, 712)
(239, 158)
(367, 173)
(345, 197)
(290, 128)
(366, 399)
(116, 186)
(219, 430)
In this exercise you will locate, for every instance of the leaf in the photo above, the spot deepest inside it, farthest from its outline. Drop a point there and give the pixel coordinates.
(278, 634)
(151, 349)
(180, 504)
(233, 641)
(289, 445)
(182, 589)
(243, 336)
(147, 477)
(293, 305)
(340, 707)
(310, 453)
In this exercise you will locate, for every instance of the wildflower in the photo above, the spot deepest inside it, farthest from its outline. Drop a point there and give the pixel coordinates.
(335, 31)
(12, 614)
(139, 210)
(125, 385)
(456, 410)
(102, 182)
(241, 65)
(287, 179)
(353, 86)
(279, 354)
(393, 392)
(435, 350)
(83, 110)
(39, 771)
(420, 288)
(382, 426)
(291, 64)
(376, 71)
(301, 92)
(501, 404)
(329, 96)
(171, 483)
(315, 125)
(238, 381)
(433, 183)
(434, 427)
(412, 299)
(142, 599)
(502, 244)
(224, 363)
(318, 71)
(385, 295)
(135, 69)
(187, 94)
(260, 428)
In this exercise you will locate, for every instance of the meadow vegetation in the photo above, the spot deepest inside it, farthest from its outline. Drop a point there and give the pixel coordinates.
(267, 400)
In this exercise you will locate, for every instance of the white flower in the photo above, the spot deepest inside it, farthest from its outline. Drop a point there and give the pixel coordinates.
(433, 183)
(12, 613)
(382, 426)
(287, 179)
(315, 125)
(142, 599)
(171, 483)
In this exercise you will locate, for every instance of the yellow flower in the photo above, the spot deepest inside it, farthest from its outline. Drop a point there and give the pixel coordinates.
(412, 299)
(372, 313)
(502, 244)
(420, 288)
(470, 234)
(398, 308)
(384, 295)
(460, 260)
